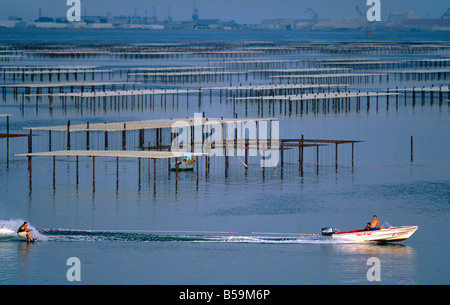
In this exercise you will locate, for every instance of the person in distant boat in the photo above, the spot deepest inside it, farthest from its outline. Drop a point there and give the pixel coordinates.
(367, 228)
(25, 232)
(375, 223)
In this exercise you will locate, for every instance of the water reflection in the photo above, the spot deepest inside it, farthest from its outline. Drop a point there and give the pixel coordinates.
(376, 249)
(24, 251)
(398, 264)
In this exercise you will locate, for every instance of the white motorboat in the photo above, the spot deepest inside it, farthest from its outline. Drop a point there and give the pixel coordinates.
(183, 165)
(385, 234)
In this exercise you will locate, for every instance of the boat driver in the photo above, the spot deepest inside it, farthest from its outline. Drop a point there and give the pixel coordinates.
(375, 223)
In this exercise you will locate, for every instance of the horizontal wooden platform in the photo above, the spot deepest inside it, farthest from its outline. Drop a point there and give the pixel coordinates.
(318, 96)
(114, 153)
(149, 124)
(111, 93)
(13, 135)
(71, 84)
(274, 87)
(335, 75)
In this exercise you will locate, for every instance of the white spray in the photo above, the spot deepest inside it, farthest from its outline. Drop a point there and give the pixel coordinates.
(8, 230)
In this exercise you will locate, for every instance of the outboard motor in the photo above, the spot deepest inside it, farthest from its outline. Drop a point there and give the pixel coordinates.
(328, 231)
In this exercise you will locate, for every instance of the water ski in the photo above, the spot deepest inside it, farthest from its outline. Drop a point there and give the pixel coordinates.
(29, 241)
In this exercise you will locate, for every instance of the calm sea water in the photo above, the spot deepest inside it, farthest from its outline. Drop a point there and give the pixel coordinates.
(210, 231)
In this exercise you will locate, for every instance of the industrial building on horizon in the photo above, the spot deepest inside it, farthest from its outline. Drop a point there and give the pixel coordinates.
(407, 20)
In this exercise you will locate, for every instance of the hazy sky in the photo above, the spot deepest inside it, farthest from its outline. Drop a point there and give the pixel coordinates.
(242, 11)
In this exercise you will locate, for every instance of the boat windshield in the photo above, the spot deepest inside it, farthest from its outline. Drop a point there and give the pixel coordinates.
(386, 224)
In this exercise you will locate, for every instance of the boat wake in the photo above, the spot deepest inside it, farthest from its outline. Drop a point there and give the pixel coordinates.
(153, 236)
(8, 229)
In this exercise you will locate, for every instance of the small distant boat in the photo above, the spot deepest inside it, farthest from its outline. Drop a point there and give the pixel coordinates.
(386, 234)
(187, 164)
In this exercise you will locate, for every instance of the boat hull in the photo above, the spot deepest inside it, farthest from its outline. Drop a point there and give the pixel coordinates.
(391, 234)
(182, 167)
